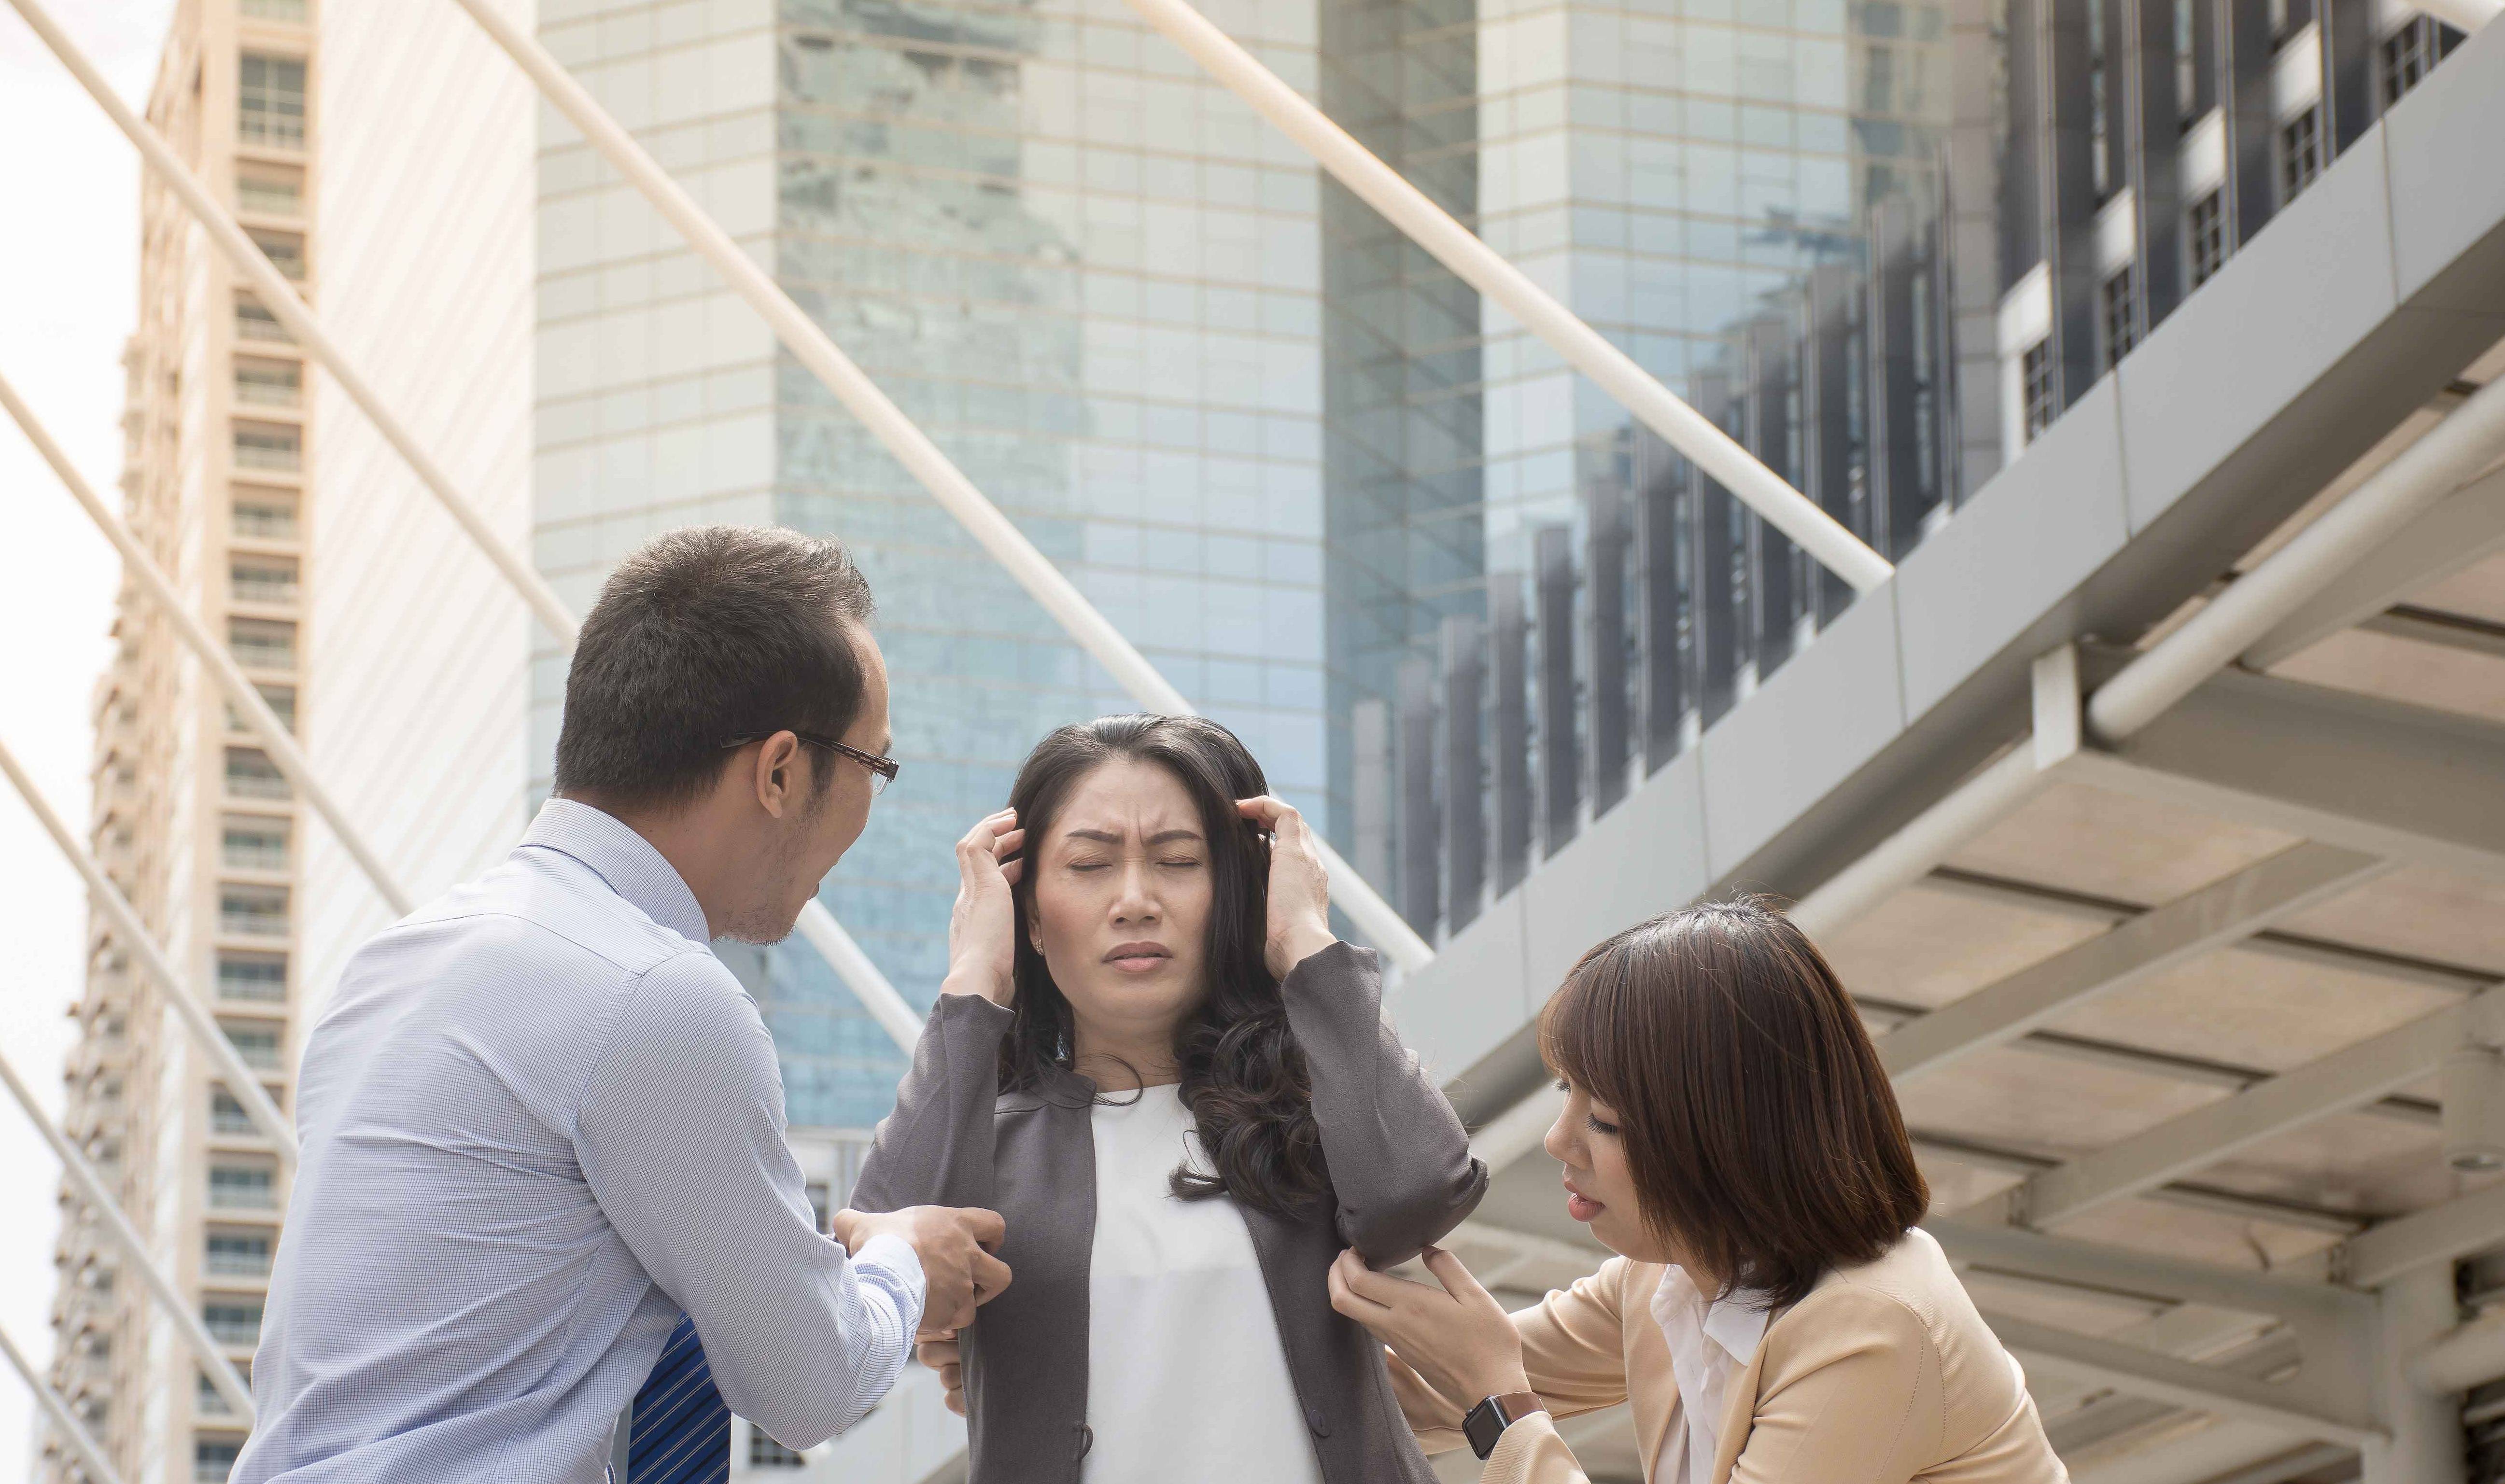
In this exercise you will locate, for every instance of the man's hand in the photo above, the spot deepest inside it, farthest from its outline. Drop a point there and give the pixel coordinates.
(954, 1244)
(1458, 1338)
(1299, 895)
(982, 927)
(940, 1353)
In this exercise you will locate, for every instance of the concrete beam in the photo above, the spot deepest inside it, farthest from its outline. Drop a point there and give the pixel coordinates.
(2199, 923)
(2352, 1075)
(2406, 782)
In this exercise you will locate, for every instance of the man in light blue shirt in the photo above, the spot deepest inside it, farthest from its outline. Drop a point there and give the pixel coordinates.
(543, 1125)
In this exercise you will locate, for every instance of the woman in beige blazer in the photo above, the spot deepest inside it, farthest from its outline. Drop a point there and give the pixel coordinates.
(1773, 1316)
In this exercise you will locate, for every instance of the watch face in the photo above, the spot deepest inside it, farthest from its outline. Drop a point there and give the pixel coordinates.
(1482, 1427)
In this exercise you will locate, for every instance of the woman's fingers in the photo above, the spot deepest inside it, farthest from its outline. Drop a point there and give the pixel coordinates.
(1455, 1277)
(1345, 1299)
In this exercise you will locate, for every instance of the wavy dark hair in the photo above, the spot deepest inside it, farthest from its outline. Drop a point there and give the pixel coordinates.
(1243, 1077)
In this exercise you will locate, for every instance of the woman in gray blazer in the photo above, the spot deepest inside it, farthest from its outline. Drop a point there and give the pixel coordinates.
(1153, 1059)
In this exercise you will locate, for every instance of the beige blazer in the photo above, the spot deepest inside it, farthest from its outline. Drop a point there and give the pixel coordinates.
(1885, 1374)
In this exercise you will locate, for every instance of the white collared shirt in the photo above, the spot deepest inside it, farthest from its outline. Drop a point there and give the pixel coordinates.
(541, 1119)
(1709, 1343)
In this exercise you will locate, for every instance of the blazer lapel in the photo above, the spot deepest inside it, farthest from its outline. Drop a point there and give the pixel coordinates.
(1652, 1388)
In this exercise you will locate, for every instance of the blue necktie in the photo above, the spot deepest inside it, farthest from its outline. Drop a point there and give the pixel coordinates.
(681, 1431)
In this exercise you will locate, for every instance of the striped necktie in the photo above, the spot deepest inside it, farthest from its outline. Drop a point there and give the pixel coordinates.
(681, 1431)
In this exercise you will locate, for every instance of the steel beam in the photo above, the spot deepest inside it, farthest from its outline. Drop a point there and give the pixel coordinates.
(2111, 1269)
(2410, 782)
(2199, 923)
(91, 1188)
(225, 1062)
(2352, 1075)
(2325, 1418)
(2465, 528)
(2460, 1227)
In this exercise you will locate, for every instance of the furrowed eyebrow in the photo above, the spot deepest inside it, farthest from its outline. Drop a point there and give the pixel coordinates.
(1109, 837)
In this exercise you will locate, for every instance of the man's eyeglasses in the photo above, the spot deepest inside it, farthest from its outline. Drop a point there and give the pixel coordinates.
(882, 770)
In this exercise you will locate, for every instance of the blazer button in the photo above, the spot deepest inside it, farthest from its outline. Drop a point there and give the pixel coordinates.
(1314, 1420)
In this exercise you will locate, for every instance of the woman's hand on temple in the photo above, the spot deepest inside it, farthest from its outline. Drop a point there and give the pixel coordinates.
(982, 928)
(939, 1351)
(1457, 1337)
(1299, 893)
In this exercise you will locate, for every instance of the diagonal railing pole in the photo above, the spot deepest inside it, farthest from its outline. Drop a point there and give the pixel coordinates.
(91, 1188)
(1487, 271)
(897, 432)
(224, 1060)
(241, 693)
(63, 1417)
(817, 923)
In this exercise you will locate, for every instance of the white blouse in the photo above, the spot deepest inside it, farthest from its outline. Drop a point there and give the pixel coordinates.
(1709, 1343)
(1186, 1377)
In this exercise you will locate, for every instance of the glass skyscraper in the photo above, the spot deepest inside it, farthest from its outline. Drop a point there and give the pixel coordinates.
(1088, 273)
(1747, 199)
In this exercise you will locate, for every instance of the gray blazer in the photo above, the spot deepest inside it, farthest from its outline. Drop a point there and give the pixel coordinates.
(1401, 1176)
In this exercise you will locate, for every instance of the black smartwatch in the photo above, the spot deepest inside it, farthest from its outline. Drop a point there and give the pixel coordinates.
(1486, 1421)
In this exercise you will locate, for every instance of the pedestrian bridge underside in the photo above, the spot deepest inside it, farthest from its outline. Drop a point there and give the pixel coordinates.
(2169, 1032)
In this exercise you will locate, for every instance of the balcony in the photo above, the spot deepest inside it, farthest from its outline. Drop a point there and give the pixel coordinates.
(262, 580)
(269, 195)
(261, 644)
(264, 516)
(237, 1255)
(252, 911)
(269, 446)
(254, 844)
(256, 1044)
(250, 774)
(269, 383)
(237, 1187)
(254, 322)
(255, 977)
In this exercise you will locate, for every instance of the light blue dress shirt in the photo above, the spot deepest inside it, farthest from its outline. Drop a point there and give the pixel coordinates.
(540, 1119)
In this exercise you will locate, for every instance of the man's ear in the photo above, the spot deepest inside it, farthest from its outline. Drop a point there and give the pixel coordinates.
(777, 779)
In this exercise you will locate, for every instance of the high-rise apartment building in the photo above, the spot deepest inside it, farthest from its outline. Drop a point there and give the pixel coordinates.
(191, 817)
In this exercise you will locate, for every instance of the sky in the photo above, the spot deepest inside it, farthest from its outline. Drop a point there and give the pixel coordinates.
(68, 298)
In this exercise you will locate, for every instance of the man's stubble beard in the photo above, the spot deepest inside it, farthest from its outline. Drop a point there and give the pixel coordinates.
(763, 923)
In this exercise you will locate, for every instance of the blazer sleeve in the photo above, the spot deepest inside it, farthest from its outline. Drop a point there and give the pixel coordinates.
(1573, 1348)
(936, 1148)
(1400, 1163)
(1853, 1398)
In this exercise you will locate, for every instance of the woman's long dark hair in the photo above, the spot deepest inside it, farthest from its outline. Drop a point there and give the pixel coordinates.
(1243, 1077)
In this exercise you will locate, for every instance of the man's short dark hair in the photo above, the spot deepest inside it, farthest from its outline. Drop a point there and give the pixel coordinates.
(702, 635)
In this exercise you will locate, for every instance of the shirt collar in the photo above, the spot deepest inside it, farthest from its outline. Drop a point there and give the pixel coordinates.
(1737, 1322)
(613, 852)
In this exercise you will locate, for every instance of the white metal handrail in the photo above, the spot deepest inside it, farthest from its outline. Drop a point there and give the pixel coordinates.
(901, 437)
(1484, 268)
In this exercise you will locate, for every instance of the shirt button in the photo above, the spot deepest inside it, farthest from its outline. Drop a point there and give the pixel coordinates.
(1314, 1420)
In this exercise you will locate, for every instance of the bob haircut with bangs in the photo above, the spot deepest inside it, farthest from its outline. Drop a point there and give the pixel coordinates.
(1762, 1134)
